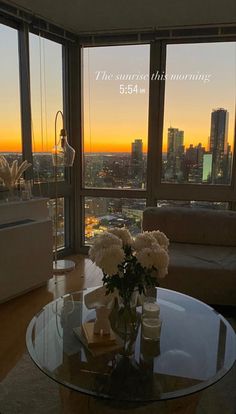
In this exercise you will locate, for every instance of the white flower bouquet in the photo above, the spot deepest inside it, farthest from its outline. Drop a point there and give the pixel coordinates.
(130, 265)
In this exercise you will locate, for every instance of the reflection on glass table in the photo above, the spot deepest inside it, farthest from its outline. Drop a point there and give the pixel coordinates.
(197, 347)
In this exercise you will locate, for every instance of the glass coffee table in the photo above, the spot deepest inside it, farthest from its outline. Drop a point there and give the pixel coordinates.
(197, 348)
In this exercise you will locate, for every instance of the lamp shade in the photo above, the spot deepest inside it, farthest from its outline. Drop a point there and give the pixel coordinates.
(63, 155)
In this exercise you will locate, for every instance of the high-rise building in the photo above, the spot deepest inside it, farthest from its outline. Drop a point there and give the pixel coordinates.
(193, 166)
(219, 144)
(137, 150)
(207, 168)
(137, 161)
(175, 154)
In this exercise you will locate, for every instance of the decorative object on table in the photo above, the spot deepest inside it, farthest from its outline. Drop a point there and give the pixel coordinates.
(151, 329)
(149, 349)
(102, 325)
(151, 323)
(97, 349)
(26, 189)
(11, 175)
(63, 155)
(125, 321)
(94, 339)
(98, 297)
(151, 309)
(130, 266)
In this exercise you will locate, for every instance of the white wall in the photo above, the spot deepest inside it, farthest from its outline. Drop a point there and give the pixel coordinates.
(90, 15)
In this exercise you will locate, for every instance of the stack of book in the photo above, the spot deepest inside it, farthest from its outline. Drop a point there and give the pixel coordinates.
(97, 344)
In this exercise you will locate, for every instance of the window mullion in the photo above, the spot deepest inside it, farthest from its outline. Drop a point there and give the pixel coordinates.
(195, 192)
(156, 113)
(72, 105)
(23, 41)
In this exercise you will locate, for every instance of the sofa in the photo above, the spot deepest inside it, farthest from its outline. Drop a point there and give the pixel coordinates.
(202, 251)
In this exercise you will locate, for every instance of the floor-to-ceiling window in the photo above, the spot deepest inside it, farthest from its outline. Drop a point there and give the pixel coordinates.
(160, 135)
(46, 99)
(199, 113)
(198, 125)
(46, 86)
(33, 86)
(115, 126)
(10, 115)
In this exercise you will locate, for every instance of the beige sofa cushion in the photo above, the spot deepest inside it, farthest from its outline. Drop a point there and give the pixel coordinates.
(206, 272)
(206, 258)
(186, 225)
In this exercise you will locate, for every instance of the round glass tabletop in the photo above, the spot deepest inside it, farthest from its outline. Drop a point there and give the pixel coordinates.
(197, 347)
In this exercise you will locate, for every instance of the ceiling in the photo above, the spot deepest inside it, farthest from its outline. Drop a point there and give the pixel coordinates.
(107, 15)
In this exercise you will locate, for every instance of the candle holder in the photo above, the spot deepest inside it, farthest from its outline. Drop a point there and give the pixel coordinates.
(151, 323)
(151, 329)
(151, 309)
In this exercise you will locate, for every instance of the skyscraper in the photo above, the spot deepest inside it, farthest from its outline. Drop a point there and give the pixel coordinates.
(175, 153)
(207, 168)
(193, 167)
(219, 144)
(137, 161)
(137, 150)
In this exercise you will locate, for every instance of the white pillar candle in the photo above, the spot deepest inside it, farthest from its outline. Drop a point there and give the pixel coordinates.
(151, 310)
(151, 329)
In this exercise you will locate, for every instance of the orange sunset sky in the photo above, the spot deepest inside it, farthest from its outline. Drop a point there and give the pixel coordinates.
(112, 121)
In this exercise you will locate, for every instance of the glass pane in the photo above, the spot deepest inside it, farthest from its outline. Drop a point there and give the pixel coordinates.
(199, 116)
(103, 213)
(10, 117)
(116, 94)
(215, 205)
(60, 221)
(46, 100)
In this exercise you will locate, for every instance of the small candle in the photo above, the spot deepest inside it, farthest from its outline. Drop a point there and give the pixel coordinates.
(151, 310)
(151, 329)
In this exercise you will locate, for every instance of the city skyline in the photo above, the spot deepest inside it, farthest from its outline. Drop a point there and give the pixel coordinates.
(207, 144)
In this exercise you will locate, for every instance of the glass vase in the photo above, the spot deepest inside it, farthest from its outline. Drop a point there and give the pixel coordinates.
(12, 194)
(125, 321)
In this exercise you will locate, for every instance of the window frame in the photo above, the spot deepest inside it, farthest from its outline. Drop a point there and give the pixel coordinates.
(83, 191)
(65, 189)
(72, 189)
(155, 188)
(187, 191)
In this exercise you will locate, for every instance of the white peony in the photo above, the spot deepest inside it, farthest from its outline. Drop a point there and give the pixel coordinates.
(93, 252)
(155, 256)
(123, 234)
(144, 240)
(146, 257)
(149, 248)
(162, 272)
(103, 241)
(160, 238)
(162, 258)
(109, 258)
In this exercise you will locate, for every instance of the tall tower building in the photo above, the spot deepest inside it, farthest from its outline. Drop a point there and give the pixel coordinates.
(194, 163)
(137, 150)
(207, 168)
(175, 154)
(219, 143)
(137, 161)
(175, 139)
